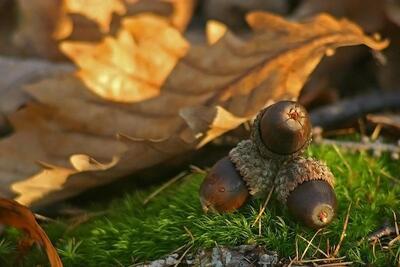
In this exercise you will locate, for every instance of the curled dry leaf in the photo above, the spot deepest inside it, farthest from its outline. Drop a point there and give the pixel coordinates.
(168, 97)
(15, 73)
(100, 11)
(43, 23)
(16, 215)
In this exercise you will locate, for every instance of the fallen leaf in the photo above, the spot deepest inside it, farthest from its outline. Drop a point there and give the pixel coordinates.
(369, 14)
(133, 66)
(16, 215)
(214, 31)
(193, 95)
(42, 24)
(16, 73)
(182, 13)
(99, 11)
(231, 12)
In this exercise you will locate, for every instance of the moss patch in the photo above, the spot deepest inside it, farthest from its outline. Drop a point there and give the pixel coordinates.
(130, 232)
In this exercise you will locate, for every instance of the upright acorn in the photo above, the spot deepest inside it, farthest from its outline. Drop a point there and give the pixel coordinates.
(223, 189)
(306, 186)
(282, 130)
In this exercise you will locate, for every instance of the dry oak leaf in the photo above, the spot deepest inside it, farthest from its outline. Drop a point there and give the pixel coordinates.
(100, 11)
(43, 23)
(160, 95)
(16, 215)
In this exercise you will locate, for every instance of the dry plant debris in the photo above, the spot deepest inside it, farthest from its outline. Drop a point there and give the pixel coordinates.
(376, 147)
(162, 96)
(18, 216)
(245, 255)
(44, 23)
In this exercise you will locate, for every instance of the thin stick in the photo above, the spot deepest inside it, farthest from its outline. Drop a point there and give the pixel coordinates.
(220, 254)
(328, 247)
(309, 244)
(179, 249)
(264, 206)
(81, 219)
(396, 226)
(335, 147)
(197, 169)
(347, 263)
(387, 175)
(393, 149)
(189, 233)
(183, 255)
(325, 259)
(40, 217)
(163, 187)
(397, 238)
(376, 132)
(346, 222)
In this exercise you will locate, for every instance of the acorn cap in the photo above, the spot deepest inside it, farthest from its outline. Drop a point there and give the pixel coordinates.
(298, 171)
(282, 130)
(306, 186)
(223, 189)
(257, 172)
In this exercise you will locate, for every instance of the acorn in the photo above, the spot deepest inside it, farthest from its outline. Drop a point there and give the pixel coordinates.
(306, 186)
(282, 130)
(223, 189)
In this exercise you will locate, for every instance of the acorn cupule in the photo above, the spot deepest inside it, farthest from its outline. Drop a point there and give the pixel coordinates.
(306, 186)
(223, 189)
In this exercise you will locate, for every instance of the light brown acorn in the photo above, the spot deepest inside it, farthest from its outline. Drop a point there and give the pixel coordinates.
(282, 130)
(223, 189)
(306, 186)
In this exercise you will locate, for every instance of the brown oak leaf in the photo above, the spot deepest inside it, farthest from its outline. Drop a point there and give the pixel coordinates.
(159, 95)
(100, 11)
(42, 24)
(16, 215)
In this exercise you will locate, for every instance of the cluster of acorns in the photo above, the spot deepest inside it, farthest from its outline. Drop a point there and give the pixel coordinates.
(273, 158)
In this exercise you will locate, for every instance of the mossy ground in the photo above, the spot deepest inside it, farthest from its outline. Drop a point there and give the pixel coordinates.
(130, 232)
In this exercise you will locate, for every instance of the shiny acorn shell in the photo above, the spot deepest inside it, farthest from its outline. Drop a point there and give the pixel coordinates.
(313, 203)
(223, 189)
(282, 130)
(306, 186)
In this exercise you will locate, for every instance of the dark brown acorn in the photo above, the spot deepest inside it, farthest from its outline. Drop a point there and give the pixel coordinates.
(223, 189)
(285, 127)
(313, 203)
(306, 185)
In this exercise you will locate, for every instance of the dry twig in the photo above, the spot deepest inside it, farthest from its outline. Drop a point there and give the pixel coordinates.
(308, 245)
(164, 186)
(317, 248)
(264, 206)
(376, 147)
(346, 222)
(351, 109)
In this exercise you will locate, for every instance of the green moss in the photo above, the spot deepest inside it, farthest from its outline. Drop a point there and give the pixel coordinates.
(131, 232)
